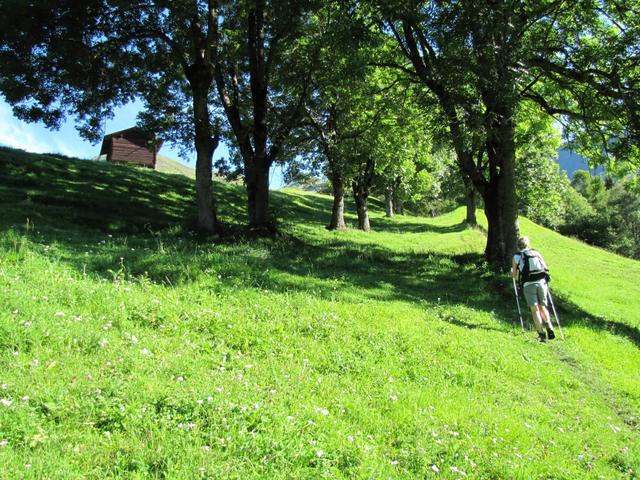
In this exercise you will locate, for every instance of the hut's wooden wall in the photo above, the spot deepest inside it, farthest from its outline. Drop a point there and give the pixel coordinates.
(131, 150)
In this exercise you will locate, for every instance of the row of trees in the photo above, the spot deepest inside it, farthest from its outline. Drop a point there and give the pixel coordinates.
(604, 212)
(366, 91)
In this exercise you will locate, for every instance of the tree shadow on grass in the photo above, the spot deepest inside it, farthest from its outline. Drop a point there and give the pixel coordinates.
(316, 210)
(87, 194)
(570, 313)
(335, 269)
(82, 203)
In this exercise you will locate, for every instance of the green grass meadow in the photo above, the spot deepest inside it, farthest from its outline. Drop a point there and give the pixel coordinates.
(131, 348)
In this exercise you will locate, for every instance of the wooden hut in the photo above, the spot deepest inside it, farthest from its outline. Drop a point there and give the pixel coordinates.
(132, 145)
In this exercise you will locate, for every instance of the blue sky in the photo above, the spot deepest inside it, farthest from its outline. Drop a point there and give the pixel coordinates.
(36, 138)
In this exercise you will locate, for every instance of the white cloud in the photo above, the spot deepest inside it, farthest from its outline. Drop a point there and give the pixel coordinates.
(17, 134)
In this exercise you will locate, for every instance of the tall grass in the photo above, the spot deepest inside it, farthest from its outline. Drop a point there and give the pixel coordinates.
(131, 349)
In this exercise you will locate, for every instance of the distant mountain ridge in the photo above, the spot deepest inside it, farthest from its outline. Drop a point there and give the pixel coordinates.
(570, 161)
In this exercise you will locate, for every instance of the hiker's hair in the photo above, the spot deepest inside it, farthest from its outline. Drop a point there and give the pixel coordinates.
(523, 242)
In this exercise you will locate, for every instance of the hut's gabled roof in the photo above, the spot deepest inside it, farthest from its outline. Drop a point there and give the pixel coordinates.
(136, 135)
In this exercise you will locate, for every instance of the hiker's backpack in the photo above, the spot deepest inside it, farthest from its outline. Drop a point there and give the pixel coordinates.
(532, 267)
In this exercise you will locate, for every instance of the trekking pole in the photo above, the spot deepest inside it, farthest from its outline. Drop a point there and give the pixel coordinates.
(515, 289)
(555, 314)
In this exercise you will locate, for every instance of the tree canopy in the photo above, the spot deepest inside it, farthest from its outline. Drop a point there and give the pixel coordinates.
(367, 91)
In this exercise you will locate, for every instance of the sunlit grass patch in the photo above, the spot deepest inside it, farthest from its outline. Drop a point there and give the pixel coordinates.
(139, 351)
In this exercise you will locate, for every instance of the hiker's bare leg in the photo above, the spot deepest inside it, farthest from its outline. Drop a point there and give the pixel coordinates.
(546, 317)
(537, 320)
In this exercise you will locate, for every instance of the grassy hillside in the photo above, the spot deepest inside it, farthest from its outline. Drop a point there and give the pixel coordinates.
(168, 165)
(129, 348)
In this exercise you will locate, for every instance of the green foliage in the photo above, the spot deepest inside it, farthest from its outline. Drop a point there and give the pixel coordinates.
(606, 217)
(583, 221)
(145, 353)
(583, 70)
(539, 184)
(441, 190)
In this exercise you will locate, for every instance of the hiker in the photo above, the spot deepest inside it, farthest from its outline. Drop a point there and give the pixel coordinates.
(529, 266)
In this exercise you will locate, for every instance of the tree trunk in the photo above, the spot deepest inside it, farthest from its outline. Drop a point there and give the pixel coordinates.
(257, 182)
(361, 206)
(500, 195)
(361, 185)
(398, 204)
(470, 200)
(388, 202)
(205, 146)
(337, 212)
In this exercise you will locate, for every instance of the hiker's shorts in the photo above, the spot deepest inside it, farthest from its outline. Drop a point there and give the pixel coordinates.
(536, 293)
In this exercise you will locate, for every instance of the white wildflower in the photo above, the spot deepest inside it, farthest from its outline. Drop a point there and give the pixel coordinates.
(319, 453)
(58, 314)
(103, 342)
(457, 470)
(6, 402)
(393, 398)
(145, 351)
(322, 411)
(435, 468)
(4, 443)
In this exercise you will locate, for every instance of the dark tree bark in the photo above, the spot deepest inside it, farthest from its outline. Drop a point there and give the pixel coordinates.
(494, 180)
(259, 142)
(200, 76)
(360, 196)
(257, 166)
(337, 212)
(205, 146)
(398, 204)
(361, 186)
(252, 139)
(470, 202)
(388, 202)
(327, 136)
(500, 195)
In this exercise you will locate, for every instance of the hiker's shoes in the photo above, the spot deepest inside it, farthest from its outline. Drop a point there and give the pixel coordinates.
(542, 337)
(551, 334)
